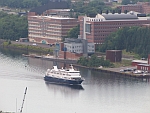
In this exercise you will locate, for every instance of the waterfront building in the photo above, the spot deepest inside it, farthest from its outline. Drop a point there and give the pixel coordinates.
(144, 67)
(96, 29)
(75, 48)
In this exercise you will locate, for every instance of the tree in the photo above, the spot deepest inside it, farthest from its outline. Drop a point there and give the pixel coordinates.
(74, 32)
(13, 27)
(133, 39)
(125, 2)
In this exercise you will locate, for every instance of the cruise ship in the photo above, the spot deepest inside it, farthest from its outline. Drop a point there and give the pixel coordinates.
(68, 76)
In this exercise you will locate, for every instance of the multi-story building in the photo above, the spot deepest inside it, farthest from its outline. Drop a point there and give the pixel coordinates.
(130, 7)
(145, 7)
(141, 7)
(98, 28)
(49, 29)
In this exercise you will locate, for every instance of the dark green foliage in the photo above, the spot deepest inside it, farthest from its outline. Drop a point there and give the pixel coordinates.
(94, 61)
(125, 2)
(74, 32)
(22, 3)
(13, 27)
(134, 39)
(93, 7)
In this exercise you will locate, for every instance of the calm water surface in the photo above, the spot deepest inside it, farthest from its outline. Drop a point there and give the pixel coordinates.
(99, 93)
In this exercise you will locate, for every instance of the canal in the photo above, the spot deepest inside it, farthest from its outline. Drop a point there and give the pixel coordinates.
(99, 93)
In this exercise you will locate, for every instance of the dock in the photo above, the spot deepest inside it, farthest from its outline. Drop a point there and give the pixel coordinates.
(116, 71)
(51, 58)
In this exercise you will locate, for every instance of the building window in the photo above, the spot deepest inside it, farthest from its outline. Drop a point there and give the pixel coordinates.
(88, 28)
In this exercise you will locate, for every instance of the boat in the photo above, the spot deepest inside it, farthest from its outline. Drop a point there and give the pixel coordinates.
(68, 76)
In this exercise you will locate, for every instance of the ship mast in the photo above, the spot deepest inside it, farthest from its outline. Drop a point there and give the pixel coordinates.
(23, 100)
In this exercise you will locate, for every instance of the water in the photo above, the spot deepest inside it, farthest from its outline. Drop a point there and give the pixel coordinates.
(99, 93)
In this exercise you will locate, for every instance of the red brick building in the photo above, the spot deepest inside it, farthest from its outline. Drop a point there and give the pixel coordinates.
(69, 55)
(114, 55)
(131, 7)
(49, 29)
(141, 7)
(137, 62)
(142, 66)
(96, 29)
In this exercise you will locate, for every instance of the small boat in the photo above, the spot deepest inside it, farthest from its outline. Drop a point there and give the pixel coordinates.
(63, 76)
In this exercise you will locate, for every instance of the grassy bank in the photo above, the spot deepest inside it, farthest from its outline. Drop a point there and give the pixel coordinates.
(29, 48)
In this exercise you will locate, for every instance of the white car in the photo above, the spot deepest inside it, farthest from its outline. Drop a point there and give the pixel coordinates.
(34, 44)
(138, 72)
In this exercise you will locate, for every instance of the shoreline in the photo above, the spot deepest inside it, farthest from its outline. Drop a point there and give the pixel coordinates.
(116, 71)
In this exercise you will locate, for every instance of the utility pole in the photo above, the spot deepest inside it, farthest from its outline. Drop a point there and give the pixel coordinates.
(23, 100)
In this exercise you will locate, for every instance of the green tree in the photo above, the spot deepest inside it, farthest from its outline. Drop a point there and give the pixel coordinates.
(132, 39)
(13, 27)
(74, 32)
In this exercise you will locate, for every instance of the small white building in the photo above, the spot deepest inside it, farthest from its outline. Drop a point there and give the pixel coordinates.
(79, 46)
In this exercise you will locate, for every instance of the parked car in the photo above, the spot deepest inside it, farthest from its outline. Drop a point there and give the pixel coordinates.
(34, 44)
(138, 72)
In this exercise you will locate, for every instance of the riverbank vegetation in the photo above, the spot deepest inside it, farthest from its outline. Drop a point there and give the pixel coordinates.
(132, 39)
(94, 61)
(27, 48)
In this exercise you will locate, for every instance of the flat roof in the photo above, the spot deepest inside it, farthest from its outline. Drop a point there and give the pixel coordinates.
(53, 17)
(117, 16)
(143, 65)
(141, 61)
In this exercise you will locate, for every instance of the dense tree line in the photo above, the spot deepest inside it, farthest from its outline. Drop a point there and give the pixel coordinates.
(22, 3)
(94, 7)
(94, 61)
(13, 27)
(133, 39)
(80, 7)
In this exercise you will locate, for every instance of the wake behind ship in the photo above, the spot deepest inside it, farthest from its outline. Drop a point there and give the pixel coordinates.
(63, 76)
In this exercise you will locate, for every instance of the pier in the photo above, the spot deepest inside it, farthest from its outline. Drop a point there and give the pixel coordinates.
(116, 71)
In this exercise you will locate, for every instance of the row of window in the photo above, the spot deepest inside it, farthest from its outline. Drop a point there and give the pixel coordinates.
(74, 46)
(144, 68)
(48, 37)
(99, 39)
(40, 32)
(122, 23)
